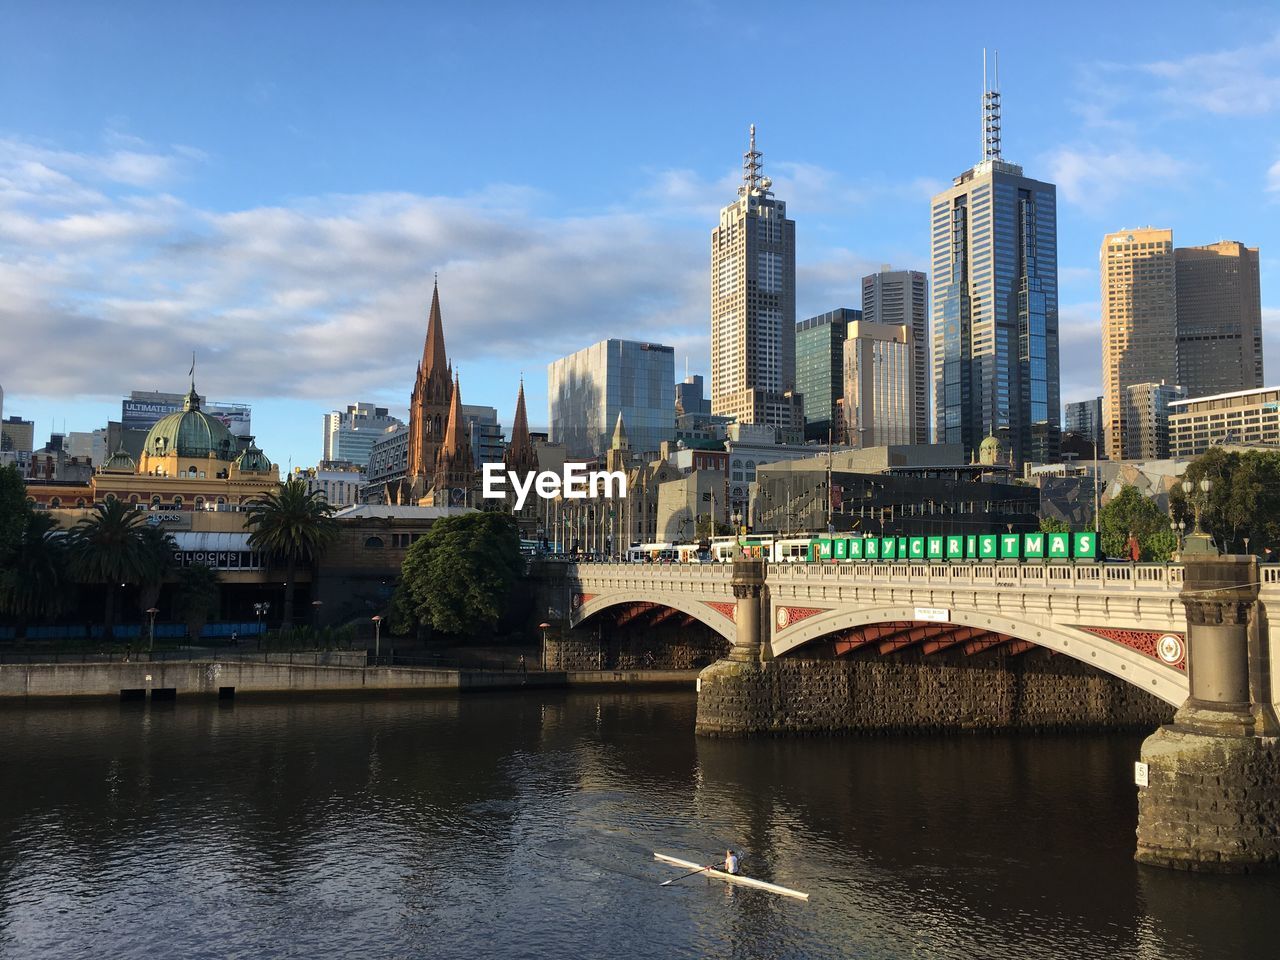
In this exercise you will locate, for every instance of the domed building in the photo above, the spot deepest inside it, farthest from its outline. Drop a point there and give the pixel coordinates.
(991, 452)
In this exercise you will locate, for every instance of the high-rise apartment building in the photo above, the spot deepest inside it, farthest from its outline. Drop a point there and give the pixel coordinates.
(1250, 417)
(484, 433)
(753, 306)
(1146, 418)
(691, 397)
(901, 297)
(587, 390)
(879, 394)
(820, 368)
(350, 434)
(1219, 318)
(1084, 419)
(995, 306)
(1139, 323)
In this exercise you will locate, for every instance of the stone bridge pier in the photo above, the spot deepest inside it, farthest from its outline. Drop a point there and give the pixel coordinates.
(1211, 796)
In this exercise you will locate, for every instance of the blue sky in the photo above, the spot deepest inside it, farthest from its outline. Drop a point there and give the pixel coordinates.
(274, 185)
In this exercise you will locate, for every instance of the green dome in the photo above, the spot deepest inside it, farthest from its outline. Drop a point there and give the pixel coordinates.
(253, 460)
(120, 462)
(191, 433)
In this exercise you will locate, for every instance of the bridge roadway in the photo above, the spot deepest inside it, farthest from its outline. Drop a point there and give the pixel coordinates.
(1125, 619)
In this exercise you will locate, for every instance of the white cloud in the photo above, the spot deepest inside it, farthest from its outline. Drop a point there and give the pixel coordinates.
(1236, 82)
(1273, 178)
(1094, 178)
(1080, 350)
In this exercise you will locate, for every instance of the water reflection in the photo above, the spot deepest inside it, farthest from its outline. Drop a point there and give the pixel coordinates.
(509, 826)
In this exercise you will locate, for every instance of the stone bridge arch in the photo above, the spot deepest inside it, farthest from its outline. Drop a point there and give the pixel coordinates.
(1162, 680)
(716, 615)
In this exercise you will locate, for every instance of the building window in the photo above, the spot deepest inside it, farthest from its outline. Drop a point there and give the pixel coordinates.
(373, 543)
(55, 503)
(80, 502)
(155, 500)
(177, 503)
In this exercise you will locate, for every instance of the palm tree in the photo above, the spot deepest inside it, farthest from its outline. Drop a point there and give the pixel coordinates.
(158, 548)
(291, 525)
(198, 591)
(33, 571)
(107, 548)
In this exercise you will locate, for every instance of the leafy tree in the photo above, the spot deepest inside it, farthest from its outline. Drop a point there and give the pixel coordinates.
(13, 506)
(1054, 525)
(1130, 513)
(198, 591)
(33, 571)
(106, 547)
(292, 525)
(1243, 500)
(460, 575)
(158, 547)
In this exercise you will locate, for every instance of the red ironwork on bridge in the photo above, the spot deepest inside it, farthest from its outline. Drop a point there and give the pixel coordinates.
(1167, 647)
(928, 638)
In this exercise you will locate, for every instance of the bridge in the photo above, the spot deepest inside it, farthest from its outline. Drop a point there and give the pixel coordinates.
(1127, 620)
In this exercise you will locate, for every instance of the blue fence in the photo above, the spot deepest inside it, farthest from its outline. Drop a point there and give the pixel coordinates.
(133, 631)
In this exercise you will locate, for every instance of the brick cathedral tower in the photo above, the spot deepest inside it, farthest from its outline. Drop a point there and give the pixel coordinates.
(428, 406)
(455, 470)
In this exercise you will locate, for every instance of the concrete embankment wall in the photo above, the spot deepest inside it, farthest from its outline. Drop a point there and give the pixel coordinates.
(931, 695)
(210, 678)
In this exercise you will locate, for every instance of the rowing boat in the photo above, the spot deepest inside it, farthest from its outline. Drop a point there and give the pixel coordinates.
(731, 877)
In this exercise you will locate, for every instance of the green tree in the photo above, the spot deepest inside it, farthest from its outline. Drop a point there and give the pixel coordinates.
(13, 506)
(198, 591)
(292, 525)
(33, 576)
(1243, 500)
(106, 547)
(1054, 525)
(158, 547)
(460, 575)
(1130, 513)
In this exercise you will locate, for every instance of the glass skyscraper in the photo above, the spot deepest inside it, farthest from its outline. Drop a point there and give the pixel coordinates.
(820, 368)
(995, 306)
(587, 390)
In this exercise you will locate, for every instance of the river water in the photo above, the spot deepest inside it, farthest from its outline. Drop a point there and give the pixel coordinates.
(512, 825)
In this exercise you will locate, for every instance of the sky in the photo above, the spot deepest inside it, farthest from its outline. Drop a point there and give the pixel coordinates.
(275, 185)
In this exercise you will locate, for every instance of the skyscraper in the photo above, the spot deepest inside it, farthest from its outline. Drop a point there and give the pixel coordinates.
(878, 391)
(894, 297)
(350, 434)
(1146, 416)
(1139, 323)
(995, 305)
(587, 390)
(1219, 318)
(1084, 419)
(753, 306)
(820, 368)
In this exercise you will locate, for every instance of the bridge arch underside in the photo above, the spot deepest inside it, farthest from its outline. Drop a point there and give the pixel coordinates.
(974, 636)
(639, 633)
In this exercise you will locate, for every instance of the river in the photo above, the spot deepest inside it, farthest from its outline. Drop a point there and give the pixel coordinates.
(509, 825)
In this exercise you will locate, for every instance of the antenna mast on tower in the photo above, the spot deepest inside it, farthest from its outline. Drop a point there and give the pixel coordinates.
(991, 109)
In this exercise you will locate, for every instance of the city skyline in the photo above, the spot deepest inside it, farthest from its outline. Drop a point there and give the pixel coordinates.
(122, 219)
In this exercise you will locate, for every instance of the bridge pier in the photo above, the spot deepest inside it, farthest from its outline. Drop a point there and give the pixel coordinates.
(733, 693)
(1212, 799)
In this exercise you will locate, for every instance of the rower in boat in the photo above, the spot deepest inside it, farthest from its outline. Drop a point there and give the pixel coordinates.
(731, 863)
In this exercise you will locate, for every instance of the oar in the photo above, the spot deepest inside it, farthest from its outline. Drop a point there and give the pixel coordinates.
(666, 883)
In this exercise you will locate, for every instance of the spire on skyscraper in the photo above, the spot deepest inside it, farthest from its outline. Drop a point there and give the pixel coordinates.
(991, 109)
(753, 183)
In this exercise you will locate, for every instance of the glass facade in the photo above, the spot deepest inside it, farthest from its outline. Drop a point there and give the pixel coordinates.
(587, 390)
(995, 306)
(819, 368)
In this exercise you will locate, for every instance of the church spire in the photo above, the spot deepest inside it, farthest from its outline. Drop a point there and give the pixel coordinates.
(434, 360)
(520, 455)
(455, 467)
(620, 440)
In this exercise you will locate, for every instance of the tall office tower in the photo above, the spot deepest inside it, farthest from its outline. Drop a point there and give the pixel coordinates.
(1219, 318)
(691, 397)
(820, 369)
(1084, 419)
(350, 434)
(902, 297)
(753, 306)
(879, 395)
(995, 306)
(1146, 417)
(1139, 323)
(484, 433)
(587, 390)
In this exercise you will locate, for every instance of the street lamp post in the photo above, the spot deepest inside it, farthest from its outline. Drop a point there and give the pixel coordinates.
(544, 627)
(377, 635)
(260, 610)
(151, 639)
(1199, 542)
